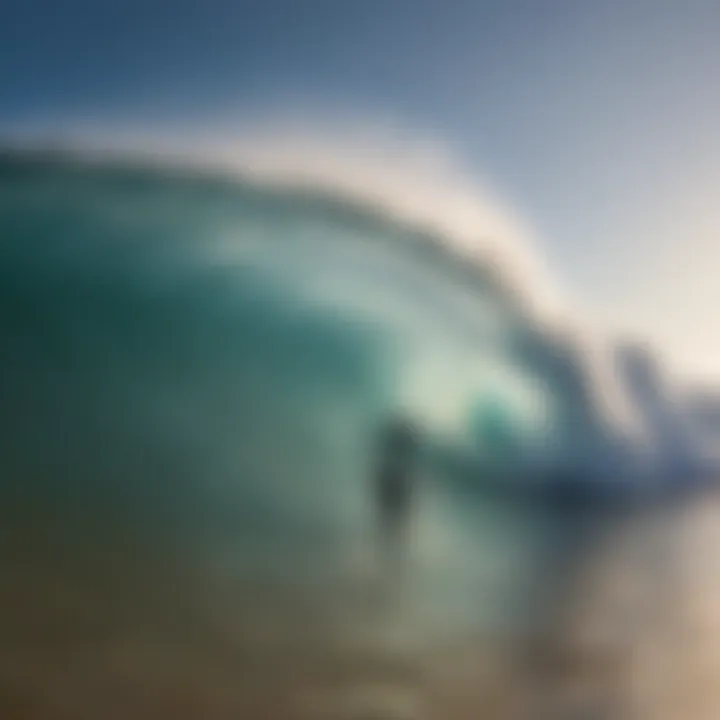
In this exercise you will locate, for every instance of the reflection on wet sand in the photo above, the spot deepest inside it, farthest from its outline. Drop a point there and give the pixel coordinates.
(124, 627)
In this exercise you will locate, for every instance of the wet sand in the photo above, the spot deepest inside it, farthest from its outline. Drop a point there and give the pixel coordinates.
(128, 630)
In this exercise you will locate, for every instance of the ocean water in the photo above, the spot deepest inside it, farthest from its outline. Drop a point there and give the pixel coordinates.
(194, 372)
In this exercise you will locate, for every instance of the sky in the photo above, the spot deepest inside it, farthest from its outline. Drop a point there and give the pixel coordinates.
(597, 121)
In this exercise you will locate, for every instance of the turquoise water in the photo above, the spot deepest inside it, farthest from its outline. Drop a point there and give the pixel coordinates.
(194, 372)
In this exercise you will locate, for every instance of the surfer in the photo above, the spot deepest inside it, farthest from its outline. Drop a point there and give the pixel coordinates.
(394, 479)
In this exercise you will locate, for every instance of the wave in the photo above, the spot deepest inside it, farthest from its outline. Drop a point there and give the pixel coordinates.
(390, 230)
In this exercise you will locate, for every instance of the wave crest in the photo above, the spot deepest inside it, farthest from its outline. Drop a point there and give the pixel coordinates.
(378, 173)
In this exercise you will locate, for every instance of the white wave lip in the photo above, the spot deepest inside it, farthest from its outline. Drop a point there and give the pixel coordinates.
(415, 180)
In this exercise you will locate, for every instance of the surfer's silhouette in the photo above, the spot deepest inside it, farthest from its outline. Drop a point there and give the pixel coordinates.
(395, 479)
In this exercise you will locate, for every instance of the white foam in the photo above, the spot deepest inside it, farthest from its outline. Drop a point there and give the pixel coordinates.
(413, 179)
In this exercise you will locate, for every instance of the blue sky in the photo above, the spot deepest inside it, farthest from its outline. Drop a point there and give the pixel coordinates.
(598, 121)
